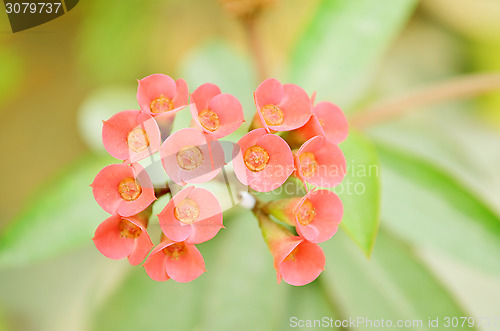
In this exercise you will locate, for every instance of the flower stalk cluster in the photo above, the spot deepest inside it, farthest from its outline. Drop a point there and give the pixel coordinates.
(289, 136)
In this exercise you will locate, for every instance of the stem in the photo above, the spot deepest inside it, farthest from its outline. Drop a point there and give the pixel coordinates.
(161, 191)
(455, 89)
(254, 43)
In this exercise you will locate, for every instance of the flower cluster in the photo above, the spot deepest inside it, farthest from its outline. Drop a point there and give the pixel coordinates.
(317, 161)
(262, 159)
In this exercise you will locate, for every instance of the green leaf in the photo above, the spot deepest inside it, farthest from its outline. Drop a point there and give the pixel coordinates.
(428, 207)
(143, 304)
(360, 191)
(11, 74)
(60, 293)
(308, 303)
(239, 285)
(393, 284)
(454, 139)
(242, 271)
(61, 216)
(115, 44)
(342, 44)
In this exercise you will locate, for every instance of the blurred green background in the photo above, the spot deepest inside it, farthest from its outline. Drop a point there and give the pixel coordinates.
(437, 196)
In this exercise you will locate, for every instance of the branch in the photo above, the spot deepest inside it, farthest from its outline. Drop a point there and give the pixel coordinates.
(455, 89)
(254, 43)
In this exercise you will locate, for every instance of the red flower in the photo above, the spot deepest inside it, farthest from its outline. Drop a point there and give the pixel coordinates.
(262, 161)
(320, 162)
(123, 189)
(131, 135)
(159, 93)
(193, 215)
(119, 237)
(281, 107)
(177, 260)
(316, 216)
(327, 121)
(190, 156)
(297, 261)
(215, 112)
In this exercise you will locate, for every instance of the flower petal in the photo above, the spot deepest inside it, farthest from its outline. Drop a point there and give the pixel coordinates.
(311, 129)
(306, 265)
(269, 92)
(331, 163)
(104, 186)
(333, 121)
(210, 219)
(155, 265)
(130, 208)
(108, 240)
(187, 267)
(329, 210)
(279, 168)
(115, 135)
(243, 144)
(203, 94)
(230, 113)
(142, 244)
(171, 226)
(152, 87)
(212, 160)
(181, 98)
(296, 107)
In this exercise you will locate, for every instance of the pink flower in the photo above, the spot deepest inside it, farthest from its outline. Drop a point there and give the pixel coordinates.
(215, 112)
(320, 162)
(119, 237)
(123, 189)
(159, 93)
(327, 121)
(297, 261)
(282, 107)
(190, 156)
(131, 135)
(193, 215)
(262, 161)
(177, 260)
(316, 216)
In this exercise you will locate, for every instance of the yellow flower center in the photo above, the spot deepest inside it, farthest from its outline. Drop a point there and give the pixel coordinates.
(189, 157)
(308, 164)
(209, 120)
(306, 213)
(187, 211)
(137, 140)
(272, 115)
(128, 229)
(161, 105)
(129, 189)
(175, 250)
(256, 158)
(292, 254)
